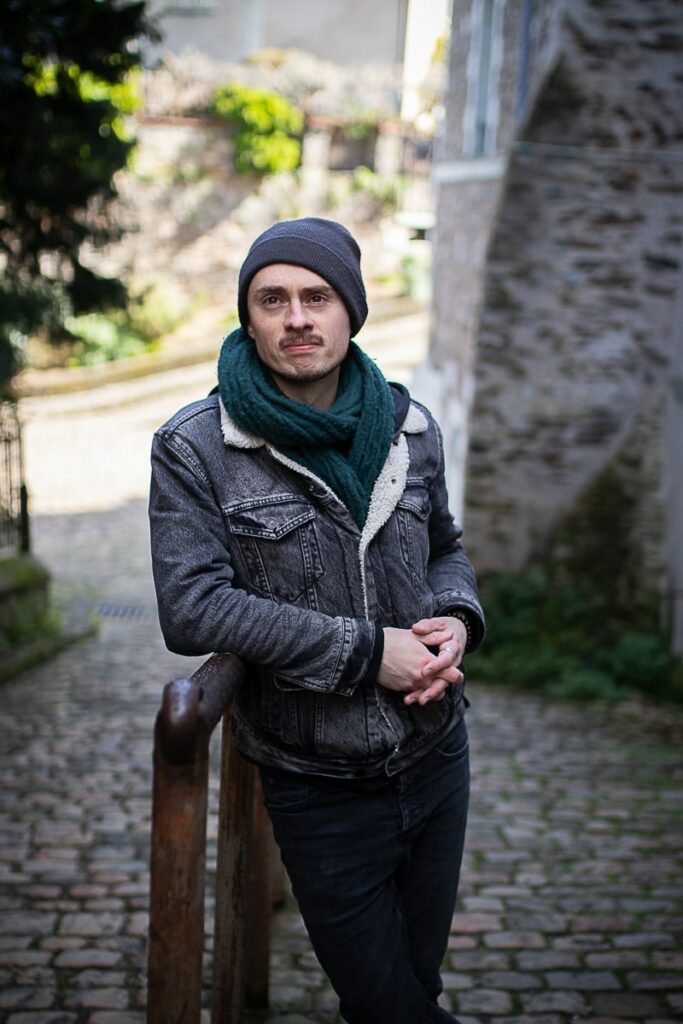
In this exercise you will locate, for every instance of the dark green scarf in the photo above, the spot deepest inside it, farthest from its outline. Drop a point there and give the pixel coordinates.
(345, 446)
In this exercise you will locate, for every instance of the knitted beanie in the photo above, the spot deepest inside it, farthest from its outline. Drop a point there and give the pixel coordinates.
(323, 246)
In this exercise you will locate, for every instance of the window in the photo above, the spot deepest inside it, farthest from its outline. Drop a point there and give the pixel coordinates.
(191, 6)
(483, 67)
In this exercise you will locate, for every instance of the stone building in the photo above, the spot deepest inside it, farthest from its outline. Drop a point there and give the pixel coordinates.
(557, 351)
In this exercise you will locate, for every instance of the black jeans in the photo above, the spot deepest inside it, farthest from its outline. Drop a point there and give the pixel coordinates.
(375, 872)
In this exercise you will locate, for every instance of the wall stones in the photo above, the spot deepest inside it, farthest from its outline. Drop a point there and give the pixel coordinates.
(561, 297)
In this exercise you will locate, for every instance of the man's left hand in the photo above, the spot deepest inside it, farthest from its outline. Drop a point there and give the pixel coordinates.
(450, 636)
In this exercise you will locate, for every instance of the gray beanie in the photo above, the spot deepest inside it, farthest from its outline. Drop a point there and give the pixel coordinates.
(323, 246)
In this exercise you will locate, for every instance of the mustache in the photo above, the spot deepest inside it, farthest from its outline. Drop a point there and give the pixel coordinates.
(297, 338)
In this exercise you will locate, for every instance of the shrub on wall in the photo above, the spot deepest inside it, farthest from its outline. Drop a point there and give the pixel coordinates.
(266, 128)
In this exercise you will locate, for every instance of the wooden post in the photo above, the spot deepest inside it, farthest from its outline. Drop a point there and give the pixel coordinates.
(234, 848)
(176, 928)
(260, 904)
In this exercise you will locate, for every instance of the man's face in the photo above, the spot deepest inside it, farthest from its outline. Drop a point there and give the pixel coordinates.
(301, 329)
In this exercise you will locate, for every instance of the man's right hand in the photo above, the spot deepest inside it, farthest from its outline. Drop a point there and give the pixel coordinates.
(408, 667)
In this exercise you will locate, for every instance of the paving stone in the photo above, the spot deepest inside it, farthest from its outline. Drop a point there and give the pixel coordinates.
(546, 960)
(596, 981)
(456, 981)
(18, 997)
(642, 980)
(94, 978)
(482, 904)
(484, 1001)
(555, 1002)
(582, 942)
(91, 924)
(510, 980)
(115, 1017)
(514, 940)
(41, 1018)
(289, 997)
(470, 923)
(87, 958)
(12, 942)
(617, 961)
(62, 942)
(458, 942)
(675, 1001)
(27, 923)
(625, 1004)
(546, 1018)
(480, 960)
(673, 961)
(23, 957)
(97, 998)
(644, 940)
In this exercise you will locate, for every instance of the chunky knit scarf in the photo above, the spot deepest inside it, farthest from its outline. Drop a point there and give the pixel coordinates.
(345, 446)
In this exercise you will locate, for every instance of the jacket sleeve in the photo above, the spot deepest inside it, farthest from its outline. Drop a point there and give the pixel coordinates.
(202, 612)
(450, 573)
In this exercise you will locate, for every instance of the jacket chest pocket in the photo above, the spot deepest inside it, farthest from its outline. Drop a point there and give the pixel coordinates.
(278, 546)
(412, 516)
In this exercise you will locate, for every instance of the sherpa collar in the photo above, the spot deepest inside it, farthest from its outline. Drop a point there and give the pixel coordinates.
(389, 485)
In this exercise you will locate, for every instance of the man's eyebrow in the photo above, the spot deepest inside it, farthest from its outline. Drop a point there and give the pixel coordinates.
(268, 289)
(278, 289)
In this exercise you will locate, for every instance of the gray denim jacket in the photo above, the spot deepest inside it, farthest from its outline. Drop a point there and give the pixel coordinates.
(255, 555)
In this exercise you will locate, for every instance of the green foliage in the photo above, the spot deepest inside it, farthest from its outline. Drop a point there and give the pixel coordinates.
(153, 311)
(384, 189)
(156, 307)
(578, 624)
(66, 86)
(24, 609)
(103, 338)
(266, 128)
(25, 304)
(358, 121)
(555, 639)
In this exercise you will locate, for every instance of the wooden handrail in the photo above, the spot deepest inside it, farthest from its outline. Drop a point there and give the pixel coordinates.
(190, 710)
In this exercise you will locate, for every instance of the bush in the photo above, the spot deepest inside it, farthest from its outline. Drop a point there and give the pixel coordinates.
(104, 338)
(155, 308)
(581, 623)
(266, 128)
(556, 638)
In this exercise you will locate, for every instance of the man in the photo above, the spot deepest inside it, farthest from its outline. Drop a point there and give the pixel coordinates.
(299, 519)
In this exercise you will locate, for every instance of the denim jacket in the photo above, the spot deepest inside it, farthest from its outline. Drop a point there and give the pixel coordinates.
(255, 555)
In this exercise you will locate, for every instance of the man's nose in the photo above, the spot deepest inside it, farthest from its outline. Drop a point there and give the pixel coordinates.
(297, 317)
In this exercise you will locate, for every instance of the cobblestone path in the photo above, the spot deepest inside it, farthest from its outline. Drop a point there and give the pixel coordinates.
(571, 903)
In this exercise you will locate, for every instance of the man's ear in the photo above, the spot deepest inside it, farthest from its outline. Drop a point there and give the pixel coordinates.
(250, 331)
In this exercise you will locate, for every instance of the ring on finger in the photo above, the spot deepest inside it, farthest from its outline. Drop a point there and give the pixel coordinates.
(453, 654)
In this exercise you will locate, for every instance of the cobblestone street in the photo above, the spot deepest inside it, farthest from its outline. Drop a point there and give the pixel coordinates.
(571, 902)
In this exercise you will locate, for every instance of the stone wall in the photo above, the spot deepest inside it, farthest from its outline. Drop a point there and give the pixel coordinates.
(575, 335)
(558, 295)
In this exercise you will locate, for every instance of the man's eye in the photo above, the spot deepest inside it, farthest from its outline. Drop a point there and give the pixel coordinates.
(317, 298)
(270, 300)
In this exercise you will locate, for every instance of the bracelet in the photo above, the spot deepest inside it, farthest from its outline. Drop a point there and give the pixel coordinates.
(457, 613)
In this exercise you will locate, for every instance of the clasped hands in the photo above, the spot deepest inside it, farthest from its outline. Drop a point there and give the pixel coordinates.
(409, 667)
